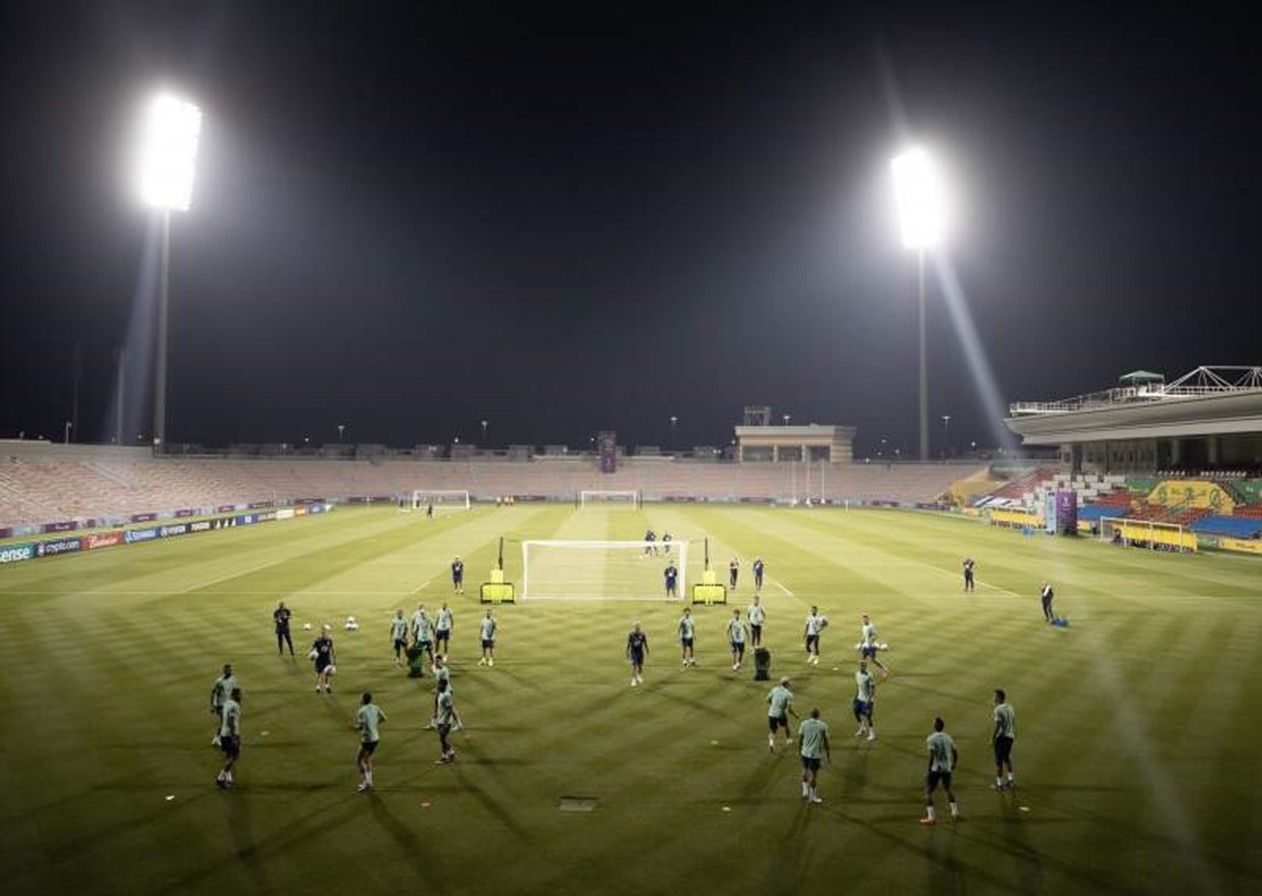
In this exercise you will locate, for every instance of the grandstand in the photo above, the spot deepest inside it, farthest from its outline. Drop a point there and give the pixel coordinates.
(1186, 453)
(42, 483)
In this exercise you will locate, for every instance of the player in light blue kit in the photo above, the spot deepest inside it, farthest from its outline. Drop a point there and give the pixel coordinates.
(486, 631)
(736, 637)
(687, 631)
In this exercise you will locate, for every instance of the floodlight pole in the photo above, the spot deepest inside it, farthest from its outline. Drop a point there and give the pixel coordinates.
(160, 381)
(924, 367)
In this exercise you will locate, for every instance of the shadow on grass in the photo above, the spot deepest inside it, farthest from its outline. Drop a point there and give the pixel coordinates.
(426, 867)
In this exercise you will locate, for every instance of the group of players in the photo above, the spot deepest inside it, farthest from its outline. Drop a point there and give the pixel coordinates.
(431, 637)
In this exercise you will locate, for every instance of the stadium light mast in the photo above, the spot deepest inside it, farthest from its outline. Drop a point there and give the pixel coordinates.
(484, 425)
(168, 156)
(918, 194)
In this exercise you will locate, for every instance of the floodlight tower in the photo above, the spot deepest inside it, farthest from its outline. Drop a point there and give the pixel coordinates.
(168, 155)
(918, 193)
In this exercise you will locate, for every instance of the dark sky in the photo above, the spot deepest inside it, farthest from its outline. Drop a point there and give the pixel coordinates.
(562, 218)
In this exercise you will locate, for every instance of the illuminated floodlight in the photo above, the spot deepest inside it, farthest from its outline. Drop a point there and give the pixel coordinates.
(918, 193)
(168, 151)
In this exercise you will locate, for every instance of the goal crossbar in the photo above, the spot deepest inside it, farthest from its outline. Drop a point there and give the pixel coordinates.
(443, 499)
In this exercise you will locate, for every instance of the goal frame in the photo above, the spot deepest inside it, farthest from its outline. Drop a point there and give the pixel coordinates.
(419, 494)
(635, 503)
(1149, 534)
(597, 545)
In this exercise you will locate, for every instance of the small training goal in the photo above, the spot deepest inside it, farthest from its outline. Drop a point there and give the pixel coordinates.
(442, 500)
(572, 569)
(606, 498)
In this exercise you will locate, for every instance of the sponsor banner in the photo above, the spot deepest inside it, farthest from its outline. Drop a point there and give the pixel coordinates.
(67, 526)
(6, 532)
(187, 512)
(243, 520)
(103, 540)
(300, 511)
(227, 508)
(58, 546)
(317, 508)
(132, 536)
(285, 513)
(171, 531)
(16, 553)
(1247, 545)
(144, 517)
(200, 526)
(255, 505)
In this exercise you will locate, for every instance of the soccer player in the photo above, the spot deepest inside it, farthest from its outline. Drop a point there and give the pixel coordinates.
(781, 707)
(1004, 736)
(666, 540)
(487, 632)
(325, 659)
(368, 719)
(230, 737)
(687, 629)
(733, 571)
(219, 694)
(442, 673)
(815, 624)
(943, 758)
(757, 616)
(813, 740)
(399, 632)
(864, 701)
(442, 629)
(448, 718)
(759, 566)
(429, 510)
(672, 581)
(1047, 595)
(736, 637)
(649, 537)
(637, 648)
(968, 574)
(281, 617)
(422, 628)
(457, 576)
(868, 647)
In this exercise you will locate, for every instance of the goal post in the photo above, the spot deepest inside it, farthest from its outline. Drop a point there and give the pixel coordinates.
(572, 569)
(615, 498)
(1147, 534)
(441, 499)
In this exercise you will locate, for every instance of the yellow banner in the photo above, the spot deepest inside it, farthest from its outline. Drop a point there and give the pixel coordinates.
(1192, 493)
(1142, 533)
(1000, 517)
(1247, 545)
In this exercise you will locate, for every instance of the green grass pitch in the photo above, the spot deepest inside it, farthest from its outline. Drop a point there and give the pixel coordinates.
(1137, 762)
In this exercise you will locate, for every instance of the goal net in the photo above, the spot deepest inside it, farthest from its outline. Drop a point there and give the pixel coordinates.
(1147, 534)
(601, 570)
(628, 498)
(440, 500)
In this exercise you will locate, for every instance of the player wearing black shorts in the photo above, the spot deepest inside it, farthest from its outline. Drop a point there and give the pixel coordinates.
(230, 738)
(457, 576)
(322, 650)
(281, 617)
(943, 757)
(968, 574)
(1004, 736)
(637, 649)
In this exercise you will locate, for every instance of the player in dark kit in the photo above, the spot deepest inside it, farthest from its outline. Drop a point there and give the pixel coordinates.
(281, 617)
(968, 574)
(650, 537)
(1047, 594)
(733, 570)
(759, 566)
(672, 581)
(637, 647)
(457, 576)
(324, 657)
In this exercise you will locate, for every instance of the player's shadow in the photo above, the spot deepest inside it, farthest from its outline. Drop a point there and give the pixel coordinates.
(247, 849)
(426, 868)
(496, 808)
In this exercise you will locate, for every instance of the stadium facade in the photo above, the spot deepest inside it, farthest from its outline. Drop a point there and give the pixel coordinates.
(1208, 420)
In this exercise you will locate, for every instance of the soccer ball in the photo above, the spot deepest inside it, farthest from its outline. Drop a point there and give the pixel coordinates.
(823, 622)
(312, 654)
(351, 624)
(306, 627)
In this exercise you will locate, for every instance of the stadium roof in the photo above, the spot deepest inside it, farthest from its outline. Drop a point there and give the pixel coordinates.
(1205, 401)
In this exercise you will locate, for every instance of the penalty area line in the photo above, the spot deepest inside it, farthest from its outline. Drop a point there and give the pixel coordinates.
(776, 582)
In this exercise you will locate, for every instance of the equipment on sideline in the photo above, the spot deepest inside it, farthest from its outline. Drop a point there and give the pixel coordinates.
(498, 591)
(1147, 534)
(709, 590)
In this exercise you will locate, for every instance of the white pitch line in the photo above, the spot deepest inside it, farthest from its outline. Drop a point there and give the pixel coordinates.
(422, 586)
(776, 582)
(236, 574)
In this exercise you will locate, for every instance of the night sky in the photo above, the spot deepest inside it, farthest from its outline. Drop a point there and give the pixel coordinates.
(564, 218)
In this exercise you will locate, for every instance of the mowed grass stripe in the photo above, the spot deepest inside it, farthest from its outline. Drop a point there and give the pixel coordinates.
(558, 713)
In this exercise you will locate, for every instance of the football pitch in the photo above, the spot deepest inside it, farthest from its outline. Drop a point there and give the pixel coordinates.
(1137, 770)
